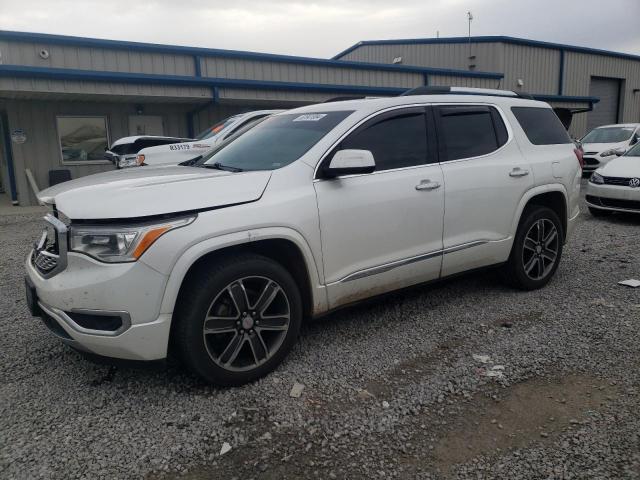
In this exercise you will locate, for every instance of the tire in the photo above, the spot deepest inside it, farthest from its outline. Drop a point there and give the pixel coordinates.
(236, 348)
(523, 269)
(596, 212)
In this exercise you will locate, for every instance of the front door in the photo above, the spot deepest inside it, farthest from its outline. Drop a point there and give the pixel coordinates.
(486, 177)
(382, 231)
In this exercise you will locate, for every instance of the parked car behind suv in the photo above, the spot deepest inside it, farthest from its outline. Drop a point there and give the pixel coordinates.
(616, 186)
(174, 154)
(310, 210)
(608, 142)
(124, 151)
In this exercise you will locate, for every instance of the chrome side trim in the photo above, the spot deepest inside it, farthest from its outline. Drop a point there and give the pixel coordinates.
(389, 266)
(464, 246)
(407, 261)
(61, 316)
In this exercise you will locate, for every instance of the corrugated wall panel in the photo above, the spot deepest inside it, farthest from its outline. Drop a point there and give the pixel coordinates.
(463, 81)
(92, 58)
(291, 72)
(539, 68)
(580, 67)
(488, 55)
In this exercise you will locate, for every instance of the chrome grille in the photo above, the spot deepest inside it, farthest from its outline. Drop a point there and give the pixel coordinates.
(49, 255)
(45, 260)
(617, 181)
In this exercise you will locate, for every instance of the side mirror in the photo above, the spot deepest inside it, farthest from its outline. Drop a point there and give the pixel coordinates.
(350, 162)
(634, 140)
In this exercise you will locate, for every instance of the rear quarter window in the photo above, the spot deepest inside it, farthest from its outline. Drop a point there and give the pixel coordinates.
(541, 125)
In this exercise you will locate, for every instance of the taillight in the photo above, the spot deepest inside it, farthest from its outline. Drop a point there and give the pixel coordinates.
(579, 156)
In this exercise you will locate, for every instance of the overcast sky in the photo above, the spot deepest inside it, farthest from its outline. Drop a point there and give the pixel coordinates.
(322, 29)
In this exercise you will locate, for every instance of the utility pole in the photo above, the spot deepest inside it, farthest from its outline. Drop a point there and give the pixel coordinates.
(471, 56)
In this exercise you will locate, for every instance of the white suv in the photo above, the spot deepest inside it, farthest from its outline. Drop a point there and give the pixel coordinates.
(311, 210)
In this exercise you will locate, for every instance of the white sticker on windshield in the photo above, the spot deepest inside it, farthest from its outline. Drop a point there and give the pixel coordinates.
(310, 117)
(627, 129)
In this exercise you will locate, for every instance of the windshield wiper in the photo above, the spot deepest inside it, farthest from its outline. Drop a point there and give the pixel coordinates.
(219, 166)
(190, 163)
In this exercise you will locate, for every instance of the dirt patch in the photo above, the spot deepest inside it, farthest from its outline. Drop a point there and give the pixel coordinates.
(536, 410)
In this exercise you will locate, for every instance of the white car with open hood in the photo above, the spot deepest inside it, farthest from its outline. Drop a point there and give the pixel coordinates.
(173, 154)
(616, 186)
(219, 262)
(603, 144)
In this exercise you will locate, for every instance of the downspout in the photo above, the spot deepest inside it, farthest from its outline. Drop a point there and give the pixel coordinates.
(8, 154)
(561, 74)
(214, 99)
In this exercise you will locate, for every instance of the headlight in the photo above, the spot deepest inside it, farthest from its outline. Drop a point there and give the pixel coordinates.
(597, 179)
(128, 162)
(120, 243)
(612, 151)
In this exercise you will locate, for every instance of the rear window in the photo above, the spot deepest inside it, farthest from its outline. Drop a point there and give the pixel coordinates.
(541, 125)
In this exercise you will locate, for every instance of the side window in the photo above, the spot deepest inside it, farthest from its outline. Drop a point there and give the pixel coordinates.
(397, 140)
(467, 131)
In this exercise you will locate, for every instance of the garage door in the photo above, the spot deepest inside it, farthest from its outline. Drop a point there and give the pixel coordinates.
(606, 110)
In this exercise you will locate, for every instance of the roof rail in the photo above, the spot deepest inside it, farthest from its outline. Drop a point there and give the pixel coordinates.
(344, 98)
(445, 90)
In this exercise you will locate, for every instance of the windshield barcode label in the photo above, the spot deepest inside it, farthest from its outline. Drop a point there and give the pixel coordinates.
(310, 117)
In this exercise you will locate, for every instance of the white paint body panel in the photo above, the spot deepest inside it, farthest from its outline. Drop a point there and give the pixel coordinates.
(359, 235)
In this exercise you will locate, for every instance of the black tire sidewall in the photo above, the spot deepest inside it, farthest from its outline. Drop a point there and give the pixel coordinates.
(193, 309)
(516, 268)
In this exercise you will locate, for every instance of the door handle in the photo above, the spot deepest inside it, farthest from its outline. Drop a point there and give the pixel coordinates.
(518, 172)
(427, 185)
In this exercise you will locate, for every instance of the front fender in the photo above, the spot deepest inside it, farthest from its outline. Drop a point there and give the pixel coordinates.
(197, 251)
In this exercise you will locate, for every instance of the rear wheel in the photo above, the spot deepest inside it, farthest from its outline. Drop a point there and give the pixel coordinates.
(596, 212)
(238, 320)
(536, 250)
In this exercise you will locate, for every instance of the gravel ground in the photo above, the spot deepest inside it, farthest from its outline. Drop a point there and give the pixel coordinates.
(391, 388)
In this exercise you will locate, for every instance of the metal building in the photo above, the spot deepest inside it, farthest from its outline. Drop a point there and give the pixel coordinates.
(59, 89)
(541, 68)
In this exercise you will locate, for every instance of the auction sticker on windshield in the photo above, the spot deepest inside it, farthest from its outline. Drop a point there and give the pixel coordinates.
(310, 117)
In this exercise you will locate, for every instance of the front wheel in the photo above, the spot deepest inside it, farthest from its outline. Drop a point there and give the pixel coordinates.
(237, 320)
(537, 249)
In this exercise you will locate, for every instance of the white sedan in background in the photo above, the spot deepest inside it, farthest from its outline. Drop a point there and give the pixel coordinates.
(176, 153)
(616, 186)
(605, 143)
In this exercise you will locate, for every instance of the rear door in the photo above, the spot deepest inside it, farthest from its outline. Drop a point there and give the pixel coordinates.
(383, 230)
(485, 176)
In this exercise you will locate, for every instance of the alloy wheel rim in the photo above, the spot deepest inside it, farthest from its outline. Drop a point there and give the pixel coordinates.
(540, 249)
(246, 323)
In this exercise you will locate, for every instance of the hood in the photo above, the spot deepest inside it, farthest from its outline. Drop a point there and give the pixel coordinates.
(147, 191)
(627, 167)
(601, 147)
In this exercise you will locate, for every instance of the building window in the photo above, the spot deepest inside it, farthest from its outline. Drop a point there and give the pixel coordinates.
(82, 139)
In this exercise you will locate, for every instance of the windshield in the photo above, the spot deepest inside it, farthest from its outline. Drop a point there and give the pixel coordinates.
(608, 135)
(633, 151)
(276, 142)
(213, 131)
